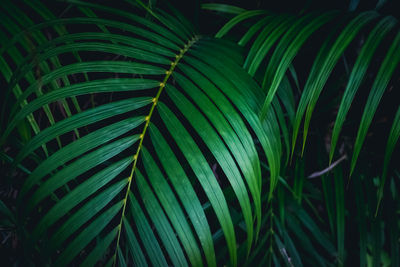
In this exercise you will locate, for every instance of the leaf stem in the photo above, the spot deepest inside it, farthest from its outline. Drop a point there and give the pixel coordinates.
(168, 73)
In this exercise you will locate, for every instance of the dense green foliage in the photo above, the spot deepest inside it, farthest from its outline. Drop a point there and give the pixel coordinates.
(129, 137)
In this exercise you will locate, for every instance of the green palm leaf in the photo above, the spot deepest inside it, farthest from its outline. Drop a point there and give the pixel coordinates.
(272, 43)
(131, 139)
(83, 179)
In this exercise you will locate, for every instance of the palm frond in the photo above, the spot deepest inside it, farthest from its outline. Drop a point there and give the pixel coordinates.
(287, 41)
(131, 139)
(125, 175)
(273, 43)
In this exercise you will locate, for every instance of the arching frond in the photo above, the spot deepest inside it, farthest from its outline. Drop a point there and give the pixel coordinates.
(130, 178)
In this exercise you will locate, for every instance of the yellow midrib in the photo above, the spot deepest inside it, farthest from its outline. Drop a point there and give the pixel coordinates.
(148, 117)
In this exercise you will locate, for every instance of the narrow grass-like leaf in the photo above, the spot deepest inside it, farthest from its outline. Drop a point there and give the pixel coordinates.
(86, 67)
(283, 126)
(25, 22)
(85, 213)
(314, 229)
(340, 215)
(87, 235)
(286, 50)
(221, 154)
(205, 176)
(270, 143)
(78, 167)
(224, 8)
(382, 79)
(82, 119)
(109, 85)
(121, 259)
(255, 48)
(174, 24)
(252, 30)
(390, 145)
(304, 239)
(100, 249)
(131, 52)
(357, 75)
(322, 67)
(163, 227)
(80, 147)
(361, 219)
(237, 19)
(150, 242)
(5, 211)
(135, 18)
(394, 235)
(291, 249)
(76, 196)
(183, 20)
(376, 242)
(267, 44)
(133, 245)
(172, 209)
(111, 23)
(246, 155)
(185, 192)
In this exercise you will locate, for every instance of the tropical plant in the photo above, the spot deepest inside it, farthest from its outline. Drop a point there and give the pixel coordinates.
(129, 138)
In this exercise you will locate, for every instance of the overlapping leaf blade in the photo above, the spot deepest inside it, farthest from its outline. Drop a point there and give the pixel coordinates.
(81, 179)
